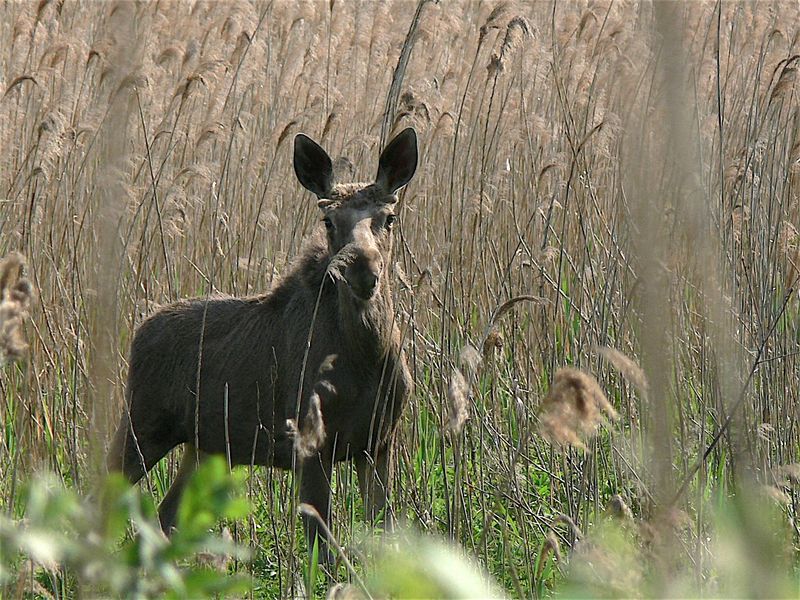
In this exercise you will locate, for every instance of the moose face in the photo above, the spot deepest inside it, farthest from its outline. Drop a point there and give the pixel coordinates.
(358, 218)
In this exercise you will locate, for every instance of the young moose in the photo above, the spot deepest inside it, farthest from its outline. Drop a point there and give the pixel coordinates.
(317, 359)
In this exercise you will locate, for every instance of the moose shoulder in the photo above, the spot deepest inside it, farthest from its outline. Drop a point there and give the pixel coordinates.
(308, 374)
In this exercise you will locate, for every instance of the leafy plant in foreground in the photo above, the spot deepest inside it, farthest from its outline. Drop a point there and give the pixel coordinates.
(68, 541)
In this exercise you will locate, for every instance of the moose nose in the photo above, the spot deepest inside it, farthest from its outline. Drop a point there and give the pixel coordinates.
(363, 272)
(369, 282)
(363, 283)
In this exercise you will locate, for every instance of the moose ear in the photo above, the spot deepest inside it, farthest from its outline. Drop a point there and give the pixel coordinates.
(398, 162)
(313, 166)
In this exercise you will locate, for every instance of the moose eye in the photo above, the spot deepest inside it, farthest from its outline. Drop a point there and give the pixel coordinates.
(390, 219)
(328, 223)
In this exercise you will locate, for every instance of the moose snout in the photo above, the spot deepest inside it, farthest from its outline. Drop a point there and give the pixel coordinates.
(363, 280)
(363, 276)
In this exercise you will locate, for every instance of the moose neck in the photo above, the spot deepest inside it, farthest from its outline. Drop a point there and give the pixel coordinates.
(367, 326)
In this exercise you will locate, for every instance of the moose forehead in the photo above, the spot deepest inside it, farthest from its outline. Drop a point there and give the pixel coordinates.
(357, 197)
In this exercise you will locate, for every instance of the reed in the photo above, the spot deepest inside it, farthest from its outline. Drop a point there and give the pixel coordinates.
(633, 167)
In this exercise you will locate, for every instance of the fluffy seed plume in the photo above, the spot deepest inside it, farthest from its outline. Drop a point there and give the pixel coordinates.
(573, 408)
(492, 343)
(310, 435)
(339, 262)
(776, 494)
(626, 366)
(551, 546)
(16, 293)
(789, 473)
(464, 376)
(492, 338)
(573, 527)
(517, 31)
(495, 18)
(470, 360)
(457, 398)
(618, 508)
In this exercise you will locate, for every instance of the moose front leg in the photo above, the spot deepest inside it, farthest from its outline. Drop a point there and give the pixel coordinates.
(315, 490)
(168, 510)
(373, 481)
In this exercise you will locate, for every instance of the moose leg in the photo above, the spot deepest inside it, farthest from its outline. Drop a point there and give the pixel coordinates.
(168, 509)
(373, 481)
(134, 455)
(315, 490)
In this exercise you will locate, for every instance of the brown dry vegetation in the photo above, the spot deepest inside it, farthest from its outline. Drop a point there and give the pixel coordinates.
(631, 168)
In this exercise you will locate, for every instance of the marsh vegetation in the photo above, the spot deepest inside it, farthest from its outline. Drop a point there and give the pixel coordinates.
(595, 274)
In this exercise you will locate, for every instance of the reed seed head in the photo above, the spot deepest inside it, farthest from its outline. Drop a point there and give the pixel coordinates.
(619, 508)
(309, 437)
(573, 408)
(16, 293)
(626, 366)
(458, 400)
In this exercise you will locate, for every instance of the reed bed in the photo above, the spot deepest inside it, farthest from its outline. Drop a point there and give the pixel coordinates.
(596, 263)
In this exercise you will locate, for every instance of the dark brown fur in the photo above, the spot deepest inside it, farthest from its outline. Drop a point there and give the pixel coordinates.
(255, 351)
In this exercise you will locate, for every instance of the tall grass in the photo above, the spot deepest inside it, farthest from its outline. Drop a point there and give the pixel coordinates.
(631, 166)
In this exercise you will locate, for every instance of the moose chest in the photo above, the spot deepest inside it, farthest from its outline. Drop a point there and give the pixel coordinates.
(362, 414)
(361, 389)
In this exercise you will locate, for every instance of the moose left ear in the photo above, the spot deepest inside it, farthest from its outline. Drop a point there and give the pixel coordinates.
(313, 166)
(398, 162)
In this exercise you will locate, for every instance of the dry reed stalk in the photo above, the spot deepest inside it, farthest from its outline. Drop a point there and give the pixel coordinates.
(465, 375)
(400, 72)
(113, 190)
(27, 582)
(310, 511)
(652, 245)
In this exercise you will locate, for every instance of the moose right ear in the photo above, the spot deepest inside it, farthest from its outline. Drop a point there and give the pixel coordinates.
(398, 161)
(313, 166)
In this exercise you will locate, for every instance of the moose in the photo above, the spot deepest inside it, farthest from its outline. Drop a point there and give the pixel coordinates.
(317, 359)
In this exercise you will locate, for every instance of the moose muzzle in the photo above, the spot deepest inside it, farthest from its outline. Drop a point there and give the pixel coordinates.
(363, 273)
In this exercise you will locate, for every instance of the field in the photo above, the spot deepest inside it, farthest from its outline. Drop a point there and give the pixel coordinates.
(626, 173)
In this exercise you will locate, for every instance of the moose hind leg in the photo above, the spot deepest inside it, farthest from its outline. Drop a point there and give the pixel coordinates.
(373, 482)
(168, 509)
(315, 490)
